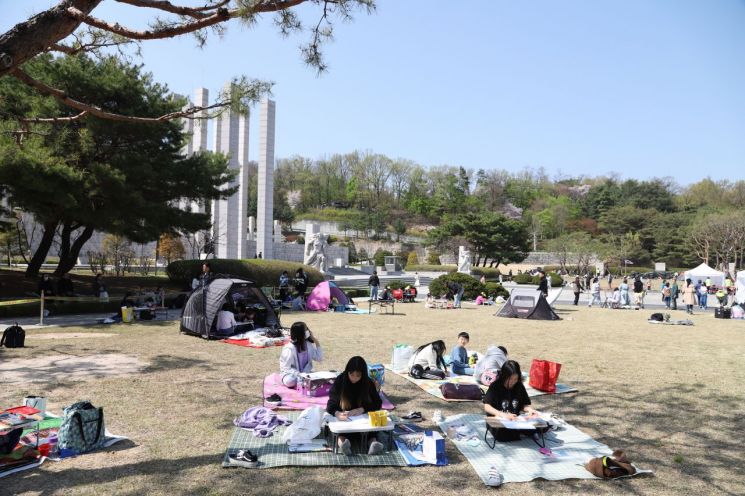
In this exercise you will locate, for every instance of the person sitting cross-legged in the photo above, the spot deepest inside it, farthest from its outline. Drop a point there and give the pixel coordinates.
(354, 393)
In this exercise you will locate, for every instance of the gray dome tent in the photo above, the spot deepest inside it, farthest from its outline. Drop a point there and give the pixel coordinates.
(527, 304)
(199, 315)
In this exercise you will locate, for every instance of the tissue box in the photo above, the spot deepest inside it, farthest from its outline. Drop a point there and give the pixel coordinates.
(376, 371)
(316, 383)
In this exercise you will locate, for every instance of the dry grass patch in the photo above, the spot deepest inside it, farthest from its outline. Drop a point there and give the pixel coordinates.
(672, 396)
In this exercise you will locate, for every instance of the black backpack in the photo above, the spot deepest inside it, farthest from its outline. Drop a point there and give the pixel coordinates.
(13, 337)
(657, 316)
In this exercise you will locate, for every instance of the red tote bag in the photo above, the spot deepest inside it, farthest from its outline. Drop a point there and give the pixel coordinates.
(544, 374)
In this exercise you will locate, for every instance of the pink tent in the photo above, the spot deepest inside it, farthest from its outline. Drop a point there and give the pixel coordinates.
(320, 298)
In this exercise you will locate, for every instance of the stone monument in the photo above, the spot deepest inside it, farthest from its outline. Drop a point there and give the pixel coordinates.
(316, 254)
(265, 204)
(464, 260)
(229, 216)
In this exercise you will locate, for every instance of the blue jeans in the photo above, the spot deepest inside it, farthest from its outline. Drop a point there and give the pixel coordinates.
(462, 370)
(373, 292)
(702, 300)
(458, 297)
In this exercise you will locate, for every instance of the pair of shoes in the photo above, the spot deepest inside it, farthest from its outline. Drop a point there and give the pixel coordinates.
(274, 400)
(494, 478)
(376, 448)
(244, 458)
(413, 417)
(437, 417)
(346, 447)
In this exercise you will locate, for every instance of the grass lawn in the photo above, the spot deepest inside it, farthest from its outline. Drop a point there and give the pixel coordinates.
(671, 396)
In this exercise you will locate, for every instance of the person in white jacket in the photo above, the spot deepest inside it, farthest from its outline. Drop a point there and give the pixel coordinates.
(427, 362)
(298, 355)
(495, 357)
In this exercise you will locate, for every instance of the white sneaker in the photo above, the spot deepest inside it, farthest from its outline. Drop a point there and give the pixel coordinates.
(494, 479)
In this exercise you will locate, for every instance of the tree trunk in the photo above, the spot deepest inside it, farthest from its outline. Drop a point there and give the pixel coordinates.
(30, 38)
(67, 263)
(64, 248)
(50, 229)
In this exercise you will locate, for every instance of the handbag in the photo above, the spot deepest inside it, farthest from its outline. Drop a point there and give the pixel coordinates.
(455, 391)
(82, 428)
(544, 374)
(611, 467)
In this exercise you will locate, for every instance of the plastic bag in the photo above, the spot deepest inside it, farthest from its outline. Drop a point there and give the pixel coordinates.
(306, 427)
(400, 357)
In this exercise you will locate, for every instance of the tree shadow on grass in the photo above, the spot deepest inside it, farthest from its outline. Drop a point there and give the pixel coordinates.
(682, 429)
(162, 363)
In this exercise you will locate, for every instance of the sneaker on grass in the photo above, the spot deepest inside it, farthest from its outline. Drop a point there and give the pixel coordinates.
(244, 458)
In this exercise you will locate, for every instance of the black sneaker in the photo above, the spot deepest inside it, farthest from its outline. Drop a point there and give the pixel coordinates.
(244, 458)
(274, 399)
(413, 417)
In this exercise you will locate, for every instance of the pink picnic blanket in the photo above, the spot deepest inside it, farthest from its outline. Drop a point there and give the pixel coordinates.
(249, 344)
(293, 400)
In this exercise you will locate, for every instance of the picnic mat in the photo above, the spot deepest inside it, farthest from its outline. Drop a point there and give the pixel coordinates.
(273, 452)
(520, 461)
(685, 322)
(433, 387)
(292, 399)
(248, 344)
(26, 456)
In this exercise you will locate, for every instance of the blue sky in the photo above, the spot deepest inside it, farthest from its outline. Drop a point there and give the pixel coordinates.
(640, 88)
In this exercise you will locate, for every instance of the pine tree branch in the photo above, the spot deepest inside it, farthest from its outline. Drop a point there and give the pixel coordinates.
(103, 114)
(193, 12)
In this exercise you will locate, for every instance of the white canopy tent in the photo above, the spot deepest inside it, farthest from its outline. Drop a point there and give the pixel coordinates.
(703, 272)
(740, 287)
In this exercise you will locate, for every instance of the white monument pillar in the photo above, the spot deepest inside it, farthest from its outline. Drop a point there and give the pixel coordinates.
(229, 215)
(265, 204)
(251, 228)
(277, 232)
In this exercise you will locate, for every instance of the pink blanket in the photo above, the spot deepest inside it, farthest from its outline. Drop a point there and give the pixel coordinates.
(293, 400)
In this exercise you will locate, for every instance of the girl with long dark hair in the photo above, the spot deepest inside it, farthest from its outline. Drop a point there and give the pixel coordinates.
(298, 355)
(507, 398)
(354, 393)
(427, 361)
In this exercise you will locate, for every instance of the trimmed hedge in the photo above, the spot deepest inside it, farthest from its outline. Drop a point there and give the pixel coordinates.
(525, 278)
(472, 287)
(262, 272)
(494, 289)
(488, 272)
(431, 268)
(395, 284)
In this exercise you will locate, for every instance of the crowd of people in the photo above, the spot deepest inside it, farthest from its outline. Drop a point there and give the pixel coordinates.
(671, 290)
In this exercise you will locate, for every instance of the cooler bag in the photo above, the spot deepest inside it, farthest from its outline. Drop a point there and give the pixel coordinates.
(544, 374)
(316, 383)
(376, 371)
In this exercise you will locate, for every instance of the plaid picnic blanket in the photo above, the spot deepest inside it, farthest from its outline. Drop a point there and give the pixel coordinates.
(520, 461)
(273, 452)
